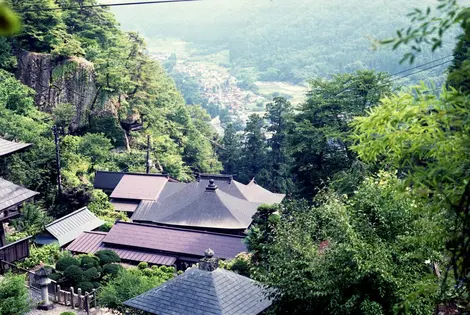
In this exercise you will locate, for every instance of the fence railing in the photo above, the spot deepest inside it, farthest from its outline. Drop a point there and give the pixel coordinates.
(76, 299)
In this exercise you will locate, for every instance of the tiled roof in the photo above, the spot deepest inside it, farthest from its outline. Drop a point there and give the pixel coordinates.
(91, 242)
(255, 193)
(109, 180)
(199, 292)
(11, 194)
(9, 147)
(196, 206)
(69, 227)
(125, 205)
(173, 240)
(139, 187)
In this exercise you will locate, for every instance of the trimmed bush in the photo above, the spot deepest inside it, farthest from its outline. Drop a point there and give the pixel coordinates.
(74, 274)
(55, 276)
(142, 265)
(88, 262)
(67, 313)
(66, 262)
(112, 269)
(85, 286)
(91, 274)
(107, 257)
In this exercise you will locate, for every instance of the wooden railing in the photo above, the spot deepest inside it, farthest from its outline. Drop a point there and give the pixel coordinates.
(13, 252)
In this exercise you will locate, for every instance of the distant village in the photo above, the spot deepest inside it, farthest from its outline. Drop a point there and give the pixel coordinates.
(218, 87)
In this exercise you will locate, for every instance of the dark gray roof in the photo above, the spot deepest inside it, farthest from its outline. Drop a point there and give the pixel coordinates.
(109, 180)
(9, 147)
(199, 292)
(173, 240)
(196, 206)
(69, 227)
(12, 195)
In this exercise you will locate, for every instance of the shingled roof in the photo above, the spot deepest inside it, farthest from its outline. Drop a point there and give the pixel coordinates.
(172, 241)
(198, 206)
(69, 227)
(107, 180)
(91, 242)
(12, 195)
(201, 292)
(9, 147)
(139, 187)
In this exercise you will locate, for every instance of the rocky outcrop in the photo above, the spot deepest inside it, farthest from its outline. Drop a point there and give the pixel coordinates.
(70, 80)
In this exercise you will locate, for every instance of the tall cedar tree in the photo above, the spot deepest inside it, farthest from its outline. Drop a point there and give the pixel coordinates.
(319, 140)
(254, 149)
(279, 117)
(230, 154)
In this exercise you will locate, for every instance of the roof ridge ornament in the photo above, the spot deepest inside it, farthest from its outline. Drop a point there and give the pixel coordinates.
(212, 186)
(209, 262)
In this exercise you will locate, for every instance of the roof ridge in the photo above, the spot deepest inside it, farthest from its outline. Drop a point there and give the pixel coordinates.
(69, 215)
(132, 173)
(179, 229)
(96, 232)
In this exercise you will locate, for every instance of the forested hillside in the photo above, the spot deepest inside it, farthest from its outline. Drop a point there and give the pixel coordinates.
(80, 72)
(287, 40)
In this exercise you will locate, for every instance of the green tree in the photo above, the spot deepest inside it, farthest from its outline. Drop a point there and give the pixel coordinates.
(33, 219)
(319, 140)
(371, 254)
(230, 152)
(426, 139)
(279, 115)
(43, 27)
(131, 282)
(254, 148)
(14, 296)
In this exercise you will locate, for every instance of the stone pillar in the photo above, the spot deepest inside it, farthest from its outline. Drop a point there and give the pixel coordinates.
(42, 278)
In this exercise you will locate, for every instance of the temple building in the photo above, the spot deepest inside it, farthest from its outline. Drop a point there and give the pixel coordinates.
(12, 197)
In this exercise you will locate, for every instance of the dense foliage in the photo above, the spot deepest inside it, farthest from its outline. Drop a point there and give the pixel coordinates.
(14, 296)
(371, 254)
(131, 282)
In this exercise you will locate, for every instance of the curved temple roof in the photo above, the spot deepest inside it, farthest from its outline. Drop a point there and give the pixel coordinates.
(199, 206)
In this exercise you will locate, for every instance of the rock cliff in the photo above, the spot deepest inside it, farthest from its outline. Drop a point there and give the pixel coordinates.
(70, 80)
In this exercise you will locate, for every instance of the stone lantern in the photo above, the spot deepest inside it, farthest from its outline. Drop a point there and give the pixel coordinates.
(42, 278)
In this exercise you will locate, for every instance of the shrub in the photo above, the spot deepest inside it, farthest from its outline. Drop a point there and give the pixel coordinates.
(107, 257)
(91, 274)
(14, 296)
(112, 269)
(74, 274)
(55, 276)
(88, 262)
(142, 265)
(85, 286)
(65, 262)
(127, 284)
(67, 313)
(47, 254)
